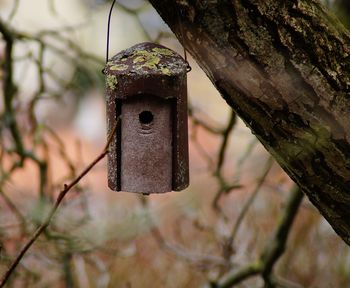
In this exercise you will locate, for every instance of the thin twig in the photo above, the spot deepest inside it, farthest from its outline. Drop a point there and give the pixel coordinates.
(224, 187)
(9, 88)
(225, 137)
(243, 212)
(14, 10)
(203, 153)
(273, 249)
(196, 259)
(240, 275)
(59, 199)
(248, 151)
(61, 151)
(14, 209)
(52, 7)
(196, 121)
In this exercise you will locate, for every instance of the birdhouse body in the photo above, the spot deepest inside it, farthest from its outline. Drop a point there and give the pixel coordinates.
(146, 145)
(146, 88)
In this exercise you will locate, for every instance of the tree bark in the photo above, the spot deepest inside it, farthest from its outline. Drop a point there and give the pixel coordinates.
(284, 67)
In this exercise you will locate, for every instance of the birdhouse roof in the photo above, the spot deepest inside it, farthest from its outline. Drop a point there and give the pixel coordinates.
(146, 59)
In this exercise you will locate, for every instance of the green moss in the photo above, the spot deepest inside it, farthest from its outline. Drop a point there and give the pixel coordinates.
(150, 65)
(292, 149)
(146, 59)
(163, 51)
(111, 81)
(165, 71)
(141, 53)
(309, 141)
(119, 67)
(318, 137)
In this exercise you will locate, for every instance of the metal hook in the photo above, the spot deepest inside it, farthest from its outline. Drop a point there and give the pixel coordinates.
(188, 68)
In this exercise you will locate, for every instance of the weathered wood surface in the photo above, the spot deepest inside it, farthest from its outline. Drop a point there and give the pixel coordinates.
(284, 67)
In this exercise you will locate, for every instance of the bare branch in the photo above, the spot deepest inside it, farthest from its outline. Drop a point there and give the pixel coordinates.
(273, 249)
(14, 9)
(225, 137)
(196, 259)
(46, 223)
(243, 212)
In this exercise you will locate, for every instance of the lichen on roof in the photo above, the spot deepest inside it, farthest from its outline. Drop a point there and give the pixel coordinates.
(165, 71)
(145, 58)
(163, 51)
(118, 67)
(111, 81)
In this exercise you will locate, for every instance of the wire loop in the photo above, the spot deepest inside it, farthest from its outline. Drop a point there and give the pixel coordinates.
(188, 69)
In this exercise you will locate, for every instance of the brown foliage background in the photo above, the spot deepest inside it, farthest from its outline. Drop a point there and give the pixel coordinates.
(53, 125)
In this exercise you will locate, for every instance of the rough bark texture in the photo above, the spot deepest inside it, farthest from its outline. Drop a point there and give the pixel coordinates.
(284, 67)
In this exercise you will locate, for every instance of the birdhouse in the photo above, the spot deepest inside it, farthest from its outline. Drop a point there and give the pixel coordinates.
(147, 91)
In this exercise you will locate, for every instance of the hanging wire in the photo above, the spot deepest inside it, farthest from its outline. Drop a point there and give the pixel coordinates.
(188, 69)
(108, 29)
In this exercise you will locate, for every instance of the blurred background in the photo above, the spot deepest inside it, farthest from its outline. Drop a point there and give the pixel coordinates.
(100, 238)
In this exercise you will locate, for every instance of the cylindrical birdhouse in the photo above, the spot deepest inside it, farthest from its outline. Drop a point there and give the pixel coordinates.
(147, 89)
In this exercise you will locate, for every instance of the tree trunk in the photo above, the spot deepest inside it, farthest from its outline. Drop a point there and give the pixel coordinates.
(342, 8)
(284, 67)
